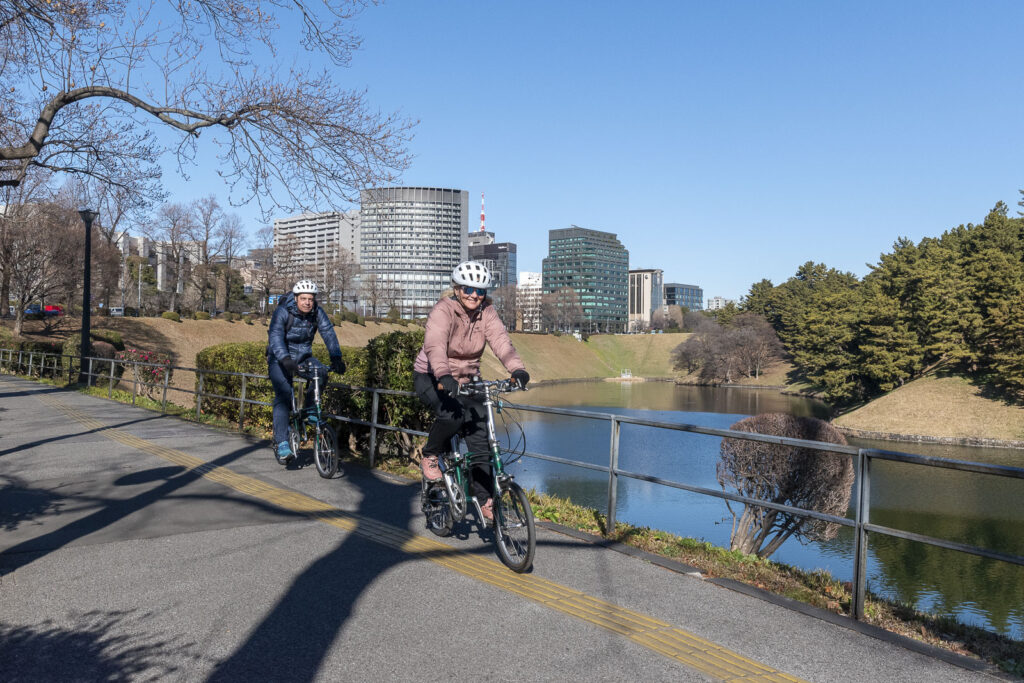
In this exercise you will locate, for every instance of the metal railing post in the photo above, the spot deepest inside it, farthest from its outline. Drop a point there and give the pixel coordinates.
(373, 426)
(21, 356)
(31, 358)
(860, 545)
(135, 380)
(199, 394)
(613, 477)
(89, 381)
(110, 386)
(167, 378)
(241, 404)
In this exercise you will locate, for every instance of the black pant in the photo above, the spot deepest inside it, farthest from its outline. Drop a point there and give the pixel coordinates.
(453, 414)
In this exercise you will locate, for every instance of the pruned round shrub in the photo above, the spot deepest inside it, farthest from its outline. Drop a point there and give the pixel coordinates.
(171, 315)
(798, 476)
(201, 315)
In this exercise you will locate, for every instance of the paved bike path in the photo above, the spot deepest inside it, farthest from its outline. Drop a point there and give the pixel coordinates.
(140, 544)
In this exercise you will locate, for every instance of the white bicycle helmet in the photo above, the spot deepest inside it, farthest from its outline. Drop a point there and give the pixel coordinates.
(304, 287)
(472, 274)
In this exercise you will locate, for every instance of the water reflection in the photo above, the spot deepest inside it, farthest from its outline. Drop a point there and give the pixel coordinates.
(968, 508)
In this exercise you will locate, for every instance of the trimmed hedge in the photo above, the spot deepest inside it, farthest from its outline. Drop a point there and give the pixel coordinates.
(112, 337)
(251, 357)
(171, 315)
(200, 315)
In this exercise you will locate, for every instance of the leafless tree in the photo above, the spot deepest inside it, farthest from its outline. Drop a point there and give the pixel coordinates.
(506, 305)
(268, 278)
(16, 203)
(171, 229)
(759, 345)
(373, 292)
(724, 352)
(569, 313)
(84, 86)
(119, 207)
(205, 231)
(800, 477)
(339, 275)
(45, 245)
(231, 240)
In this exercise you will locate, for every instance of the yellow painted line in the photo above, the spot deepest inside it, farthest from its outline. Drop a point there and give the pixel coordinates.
(654, 634)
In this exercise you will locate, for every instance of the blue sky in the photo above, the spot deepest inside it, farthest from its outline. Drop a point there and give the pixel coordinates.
(723, 142)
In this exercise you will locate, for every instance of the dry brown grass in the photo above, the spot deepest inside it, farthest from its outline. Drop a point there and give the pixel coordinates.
(939, 406)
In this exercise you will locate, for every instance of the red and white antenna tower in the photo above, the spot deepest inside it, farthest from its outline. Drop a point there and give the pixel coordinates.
(481, 212)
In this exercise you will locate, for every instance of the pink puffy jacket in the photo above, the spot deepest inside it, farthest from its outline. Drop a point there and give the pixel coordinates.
(454, 341)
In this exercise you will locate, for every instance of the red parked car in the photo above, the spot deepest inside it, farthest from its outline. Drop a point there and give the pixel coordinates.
(51, 309)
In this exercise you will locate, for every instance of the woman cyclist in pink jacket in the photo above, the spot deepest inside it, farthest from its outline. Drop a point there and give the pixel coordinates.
(458, 328)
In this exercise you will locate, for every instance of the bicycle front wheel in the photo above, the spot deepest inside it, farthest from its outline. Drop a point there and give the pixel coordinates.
(514, 531)
(325, 452)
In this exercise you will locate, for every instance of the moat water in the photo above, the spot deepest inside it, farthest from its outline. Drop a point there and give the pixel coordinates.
(968, 508)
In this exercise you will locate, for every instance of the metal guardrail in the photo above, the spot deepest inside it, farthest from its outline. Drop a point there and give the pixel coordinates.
(864, 456)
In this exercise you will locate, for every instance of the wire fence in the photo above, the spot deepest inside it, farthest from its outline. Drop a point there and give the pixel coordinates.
(110, 372)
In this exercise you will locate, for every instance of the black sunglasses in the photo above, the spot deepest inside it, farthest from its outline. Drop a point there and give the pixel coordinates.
(470, 291)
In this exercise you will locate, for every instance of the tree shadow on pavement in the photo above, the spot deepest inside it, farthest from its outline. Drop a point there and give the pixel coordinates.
(89, 651)
(296, 636)
(27, 551)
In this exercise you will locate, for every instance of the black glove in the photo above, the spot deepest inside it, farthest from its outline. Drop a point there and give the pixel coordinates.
(289, 365)
(521, 377)
(337, 365)
(450, 384)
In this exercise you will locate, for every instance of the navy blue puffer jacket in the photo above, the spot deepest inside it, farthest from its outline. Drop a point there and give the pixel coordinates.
(296, 339)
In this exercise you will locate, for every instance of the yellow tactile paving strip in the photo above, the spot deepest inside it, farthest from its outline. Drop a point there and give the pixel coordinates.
(663, 638)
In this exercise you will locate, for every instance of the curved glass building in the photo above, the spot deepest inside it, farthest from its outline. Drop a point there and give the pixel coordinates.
(411, 238)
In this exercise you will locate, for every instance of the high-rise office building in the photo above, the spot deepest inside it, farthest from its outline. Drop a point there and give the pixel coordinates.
(499, 257)
(689, 296)
(646, 296)
(595, 266)
(411, 238)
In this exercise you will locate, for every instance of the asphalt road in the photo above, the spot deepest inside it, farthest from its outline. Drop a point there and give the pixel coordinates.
(135, 546)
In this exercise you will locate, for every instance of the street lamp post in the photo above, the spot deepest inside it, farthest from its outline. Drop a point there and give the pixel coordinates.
(88, 216)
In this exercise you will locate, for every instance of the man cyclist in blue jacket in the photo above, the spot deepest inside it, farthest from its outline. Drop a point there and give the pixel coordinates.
(292, 327)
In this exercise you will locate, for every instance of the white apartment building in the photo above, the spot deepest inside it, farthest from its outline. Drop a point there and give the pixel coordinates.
(717, 302)
(646, 295)
(528, 295)
(411, 238)
(310, 241)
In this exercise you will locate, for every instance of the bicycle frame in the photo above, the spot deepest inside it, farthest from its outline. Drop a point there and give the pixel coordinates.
(456, 474)
(300, 418)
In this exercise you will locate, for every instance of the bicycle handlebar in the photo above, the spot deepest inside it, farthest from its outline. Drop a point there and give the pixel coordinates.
(483, 386)
(307, 370)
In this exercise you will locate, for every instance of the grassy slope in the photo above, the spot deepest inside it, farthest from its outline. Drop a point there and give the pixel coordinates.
(939, 406)
(549, 357)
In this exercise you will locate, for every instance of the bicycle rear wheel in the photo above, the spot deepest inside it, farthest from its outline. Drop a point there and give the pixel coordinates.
(436, 508)
(514, 531)
(325, 452)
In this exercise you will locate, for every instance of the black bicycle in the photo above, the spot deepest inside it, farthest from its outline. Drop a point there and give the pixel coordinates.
(446, 502)
(309, 422)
